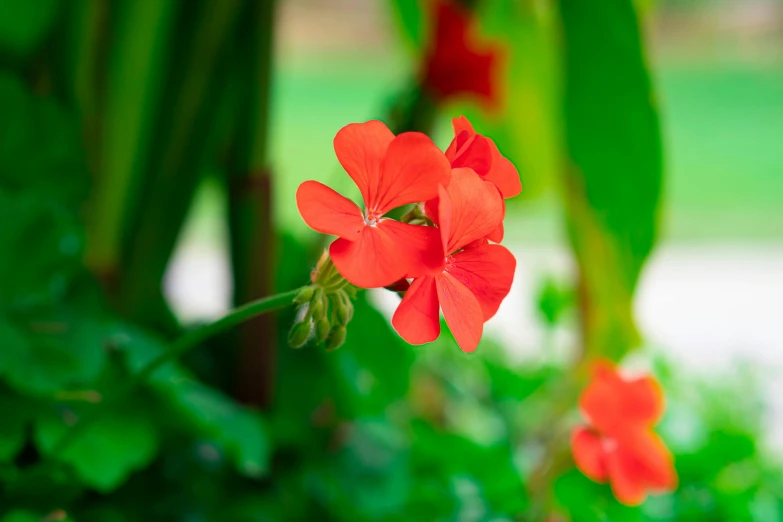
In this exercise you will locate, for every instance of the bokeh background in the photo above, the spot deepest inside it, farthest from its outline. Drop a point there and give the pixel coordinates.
(149, 156)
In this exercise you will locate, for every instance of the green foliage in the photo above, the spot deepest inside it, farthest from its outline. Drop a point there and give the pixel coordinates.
(116, 444)
(413, 19)
(613, 180)
(377, 430)
(24, 24)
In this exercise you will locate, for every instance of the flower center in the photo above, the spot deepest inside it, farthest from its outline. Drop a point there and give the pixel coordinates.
(371, 217)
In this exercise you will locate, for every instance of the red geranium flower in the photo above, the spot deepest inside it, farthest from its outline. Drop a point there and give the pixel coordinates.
(454, 64)
(619, 445)
(373, 251)
(472, 150)
(473, 276)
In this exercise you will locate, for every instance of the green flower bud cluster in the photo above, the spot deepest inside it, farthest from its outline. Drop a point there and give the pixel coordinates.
(328, 308)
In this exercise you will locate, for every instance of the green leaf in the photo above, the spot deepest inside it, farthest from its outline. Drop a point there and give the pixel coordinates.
(13, 426)
(373, 366)
(24, 24)
(241, 432)
(613, 181)
(51, 242)
(20, 516)
(54, 350)
(412, 20)
(40, 147)
(116, 444)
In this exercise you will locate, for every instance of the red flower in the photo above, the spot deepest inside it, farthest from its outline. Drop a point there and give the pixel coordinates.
(454, 64)
(473, 276)
(373, 251)
(620, 445)
(470, 149)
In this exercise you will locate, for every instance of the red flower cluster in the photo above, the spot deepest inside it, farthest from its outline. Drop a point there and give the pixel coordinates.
(455, 63)
(619, 445)
(452, 264)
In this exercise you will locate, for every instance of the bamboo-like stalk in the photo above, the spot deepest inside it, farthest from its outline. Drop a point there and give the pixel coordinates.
(120, 142)
(181, 141)
(250, 213)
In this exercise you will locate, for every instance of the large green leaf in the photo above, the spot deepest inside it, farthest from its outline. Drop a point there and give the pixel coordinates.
(613, 177)
(123, 440)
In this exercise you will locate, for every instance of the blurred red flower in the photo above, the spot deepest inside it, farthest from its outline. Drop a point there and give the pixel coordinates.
(473, 276)
(619, 444)
(472, 150)
(454, 63)
(371, 250)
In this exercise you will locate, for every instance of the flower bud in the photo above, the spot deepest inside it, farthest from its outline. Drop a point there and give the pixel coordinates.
(343, 308)
(318, 305)
(299, 333)
(336, 338)
(322, 330)
(304, 295)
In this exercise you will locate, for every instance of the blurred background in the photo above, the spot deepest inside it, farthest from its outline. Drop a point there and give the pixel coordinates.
(149, 157)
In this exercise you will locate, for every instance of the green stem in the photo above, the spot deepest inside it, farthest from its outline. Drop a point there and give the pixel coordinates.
(185, 343)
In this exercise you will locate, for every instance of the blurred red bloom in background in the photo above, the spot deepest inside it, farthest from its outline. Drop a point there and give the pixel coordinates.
(373, 251)
(619, 445)
(454, 63)
(473, 276)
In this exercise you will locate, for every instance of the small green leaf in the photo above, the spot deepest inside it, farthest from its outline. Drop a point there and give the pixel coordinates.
(103, 456)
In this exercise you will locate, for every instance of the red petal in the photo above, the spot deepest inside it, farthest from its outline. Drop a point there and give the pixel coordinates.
(328, 212)
(360, 149)
(400, 286)
(503, 173)
(471, 151)
(469, 209)
(454, 64)
(588, 454)
(613, 404)
(644, 402)
(387, 252)
(431, 209)
(626, 478)
(496, 236)
(640, 461)
(651, 458)
(417, 318)
(412, 171)
(488, 272)
(461, 123)
(461, 310)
